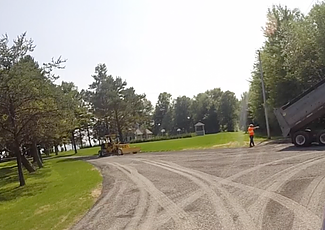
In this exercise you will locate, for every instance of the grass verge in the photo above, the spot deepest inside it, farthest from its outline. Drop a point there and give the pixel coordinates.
(54, 197)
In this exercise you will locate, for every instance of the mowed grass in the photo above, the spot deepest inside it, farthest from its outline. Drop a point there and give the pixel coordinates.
(54, 197)
(219, 140)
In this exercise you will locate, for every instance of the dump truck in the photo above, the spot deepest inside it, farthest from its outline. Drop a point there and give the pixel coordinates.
(300, 118)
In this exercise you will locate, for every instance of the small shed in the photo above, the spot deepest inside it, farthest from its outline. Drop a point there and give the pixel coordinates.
(199, 129)
(138, 134)
(147, 134)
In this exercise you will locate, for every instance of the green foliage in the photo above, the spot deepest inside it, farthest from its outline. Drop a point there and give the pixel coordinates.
(292, 59)
(163, 113)
(56, 195)
(182, 114)
(214, 108)
(119, 107)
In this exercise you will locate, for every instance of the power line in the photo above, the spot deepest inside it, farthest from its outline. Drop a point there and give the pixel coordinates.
(311, 3)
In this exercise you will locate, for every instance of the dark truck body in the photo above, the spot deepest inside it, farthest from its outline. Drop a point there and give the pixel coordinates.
(296, 117)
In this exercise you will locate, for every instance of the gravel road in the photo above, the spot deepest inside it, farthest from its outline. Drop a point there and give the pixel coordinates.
(269, 187)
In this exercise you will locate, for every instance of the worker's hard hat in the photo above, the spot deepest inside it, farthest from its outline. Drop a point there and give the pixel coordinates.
(251, 125)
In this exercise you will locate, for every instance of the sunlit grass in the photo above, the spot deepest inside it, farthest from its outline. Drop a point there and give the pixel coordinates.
(53, 198)
(219, 140)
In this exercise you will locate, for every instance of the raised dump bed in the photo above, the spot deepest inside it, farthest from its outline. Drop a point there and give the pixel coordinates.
(297, 117)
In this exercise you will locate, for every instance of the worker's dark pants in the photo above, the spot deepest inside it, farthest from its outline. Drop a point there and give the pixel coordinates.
(251, 141)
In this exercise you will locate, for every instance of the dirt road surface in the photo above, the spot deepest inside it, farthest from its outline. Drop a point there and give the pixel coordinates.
(269, 187)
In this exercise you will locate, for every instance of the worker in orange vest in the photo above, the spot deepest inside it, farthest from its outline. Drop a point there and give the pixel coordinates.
(251, 129)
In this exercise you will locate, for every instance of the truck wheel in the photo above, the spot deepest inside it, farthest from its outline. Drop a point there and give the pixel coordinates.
(119, 152)
(301, 138)
(321, 138)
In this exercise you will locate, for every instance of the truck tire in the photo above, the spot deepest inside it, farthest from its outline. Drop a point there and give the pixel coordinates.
(301, 139)
(321, 137)
(119, 152)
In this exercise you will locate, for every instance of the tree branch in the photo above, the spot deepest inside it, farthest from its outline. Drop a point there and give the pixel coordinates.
(8, 130)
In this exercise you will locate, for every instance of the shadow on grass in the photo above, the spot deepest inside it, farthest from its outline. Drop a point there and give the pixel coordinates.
(311, 148)
(8, 175)
(9, 178)
(7, 194)
(78, 158)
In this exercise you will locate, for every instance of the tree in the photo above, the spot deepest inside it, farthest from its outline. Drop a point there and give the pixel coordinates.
(183, 113)
(163, 108)
(292, 59)
(75, 109)
(206, 108)
(228, 111)
(113, 102)
(25, 95)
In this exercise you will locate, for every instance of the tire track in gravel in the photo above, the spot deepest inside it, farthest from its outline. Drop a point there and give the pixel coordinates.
(181, 218)
(151, 215)
(227, 169)
(141, 206)
(315, 198)
(102, 208)
(256, 162)
(257, 209)
(305, 200)
(264, 184)
(226, 219)
(314, 192)
(164, 217)
(244, 172)
(311, 220)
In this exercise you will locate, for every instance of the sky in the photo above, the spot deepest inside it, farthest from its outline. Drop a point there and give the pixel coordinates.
(182, 47)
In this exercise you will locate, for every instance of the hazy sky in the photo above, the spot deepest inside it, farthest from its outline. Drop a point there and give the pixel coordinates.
(183, 47)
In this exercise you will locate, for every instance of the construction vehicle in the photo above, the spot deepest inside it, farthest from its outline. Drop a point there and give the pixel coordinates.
(300, 118)
(112, 146)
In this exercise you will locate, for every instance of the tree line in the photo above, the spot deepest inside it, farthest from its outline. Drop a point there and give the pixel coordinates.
(293, 59)
(216, 109)
(39, 114)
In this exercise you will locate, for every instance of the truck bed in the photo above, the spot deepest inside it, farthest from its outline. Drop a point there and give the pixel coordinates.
(302, 110)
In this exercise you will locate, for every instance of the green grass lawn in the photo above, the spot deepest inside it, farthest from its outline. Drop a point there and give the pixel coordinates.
(54, 197)
(219, 140)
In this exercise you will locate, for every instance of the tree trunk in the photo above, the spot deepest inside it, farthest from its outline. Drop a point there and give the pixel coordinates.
(19, 165)
(80, 136)
(106, 132)
(65, 147)
(118, 127)
(56, 150)
(74, 142)
(39, 154)
(88, 134)
(27, 164)
(36, 155)
(46, 151)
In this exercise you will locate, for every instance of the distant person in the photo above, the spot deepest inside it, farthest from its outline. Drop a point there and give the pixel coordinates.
(251, 129)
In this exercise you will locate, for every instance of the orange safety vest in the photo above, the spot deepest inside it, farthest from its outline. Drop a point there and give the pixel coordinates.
(251, 131)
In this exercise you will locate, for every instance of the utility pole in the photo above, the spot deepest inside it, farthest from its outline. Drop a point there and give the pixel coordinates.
(264, 98)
